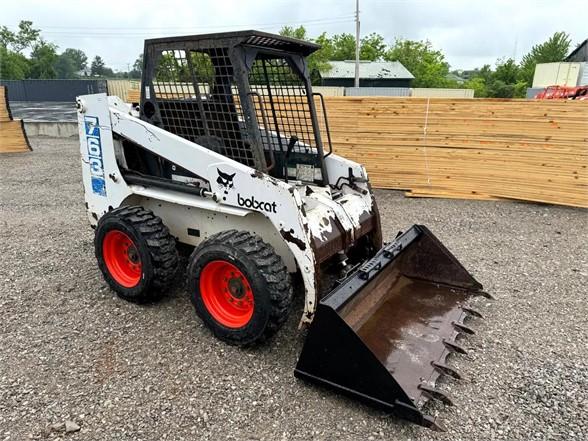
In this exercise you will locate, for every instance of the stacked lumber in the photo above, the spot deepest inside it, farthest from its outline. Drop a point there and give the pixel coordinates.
(532, 150)
(13, 138)
(5, 114)
(134, 96)
(472, 149)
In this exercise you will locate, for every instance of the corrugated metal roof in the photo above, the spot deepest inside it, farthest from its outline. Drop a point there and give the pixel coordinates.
(367, 69)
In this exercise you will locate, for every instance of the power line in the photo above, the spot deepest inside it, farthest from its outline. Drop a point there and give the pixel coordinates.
(147, 30)
(80, 34)
(152, 35)
(310, 21)
(70, 33)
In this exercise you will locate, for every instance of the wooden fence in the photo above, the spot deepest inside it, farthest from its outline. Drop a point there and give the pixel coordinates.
(480, 149)
(12, 135)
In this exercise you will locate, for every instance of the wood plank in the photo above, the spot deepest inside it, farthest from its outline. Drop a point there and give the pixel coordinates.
(13, 138)
(489, 149)
(472, 149)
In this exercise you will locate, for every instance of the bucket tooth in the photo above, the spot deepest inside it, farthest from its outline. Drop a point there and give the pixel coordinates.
(447, 370)
(433, 424)
(454, 347)
(436, 394)
(357, 343)
(411, 413)
(463, 328)
(484, 294)
(473, 312)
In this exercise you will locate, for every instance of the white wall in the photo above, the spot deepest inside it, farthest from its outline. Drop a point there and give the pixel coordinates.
(441, 93)
(556, 74)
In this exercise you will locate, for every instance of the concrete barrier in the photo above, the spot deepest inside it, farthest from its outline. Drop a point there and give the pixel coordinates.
(59, 129)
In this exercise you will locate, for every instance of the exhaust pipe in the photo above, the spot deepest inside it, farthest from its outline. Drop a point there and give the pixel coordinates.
(383, 335)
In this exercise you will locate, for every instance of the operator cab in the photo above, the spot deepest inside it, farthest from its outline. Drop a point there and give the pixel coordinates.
(245, 95)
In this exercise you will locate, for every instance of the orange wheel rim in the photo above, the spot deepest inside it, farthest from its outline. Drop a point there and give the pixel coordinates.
(226, 294)
(122, 258)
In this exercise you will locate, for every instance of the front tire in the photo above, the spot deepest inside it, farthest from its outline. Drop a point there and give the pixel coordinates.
(136, 253)
(240, 287)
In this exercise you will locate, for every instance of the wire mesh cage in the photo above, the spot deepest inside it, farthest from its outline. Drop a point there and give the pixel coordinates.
(198, 100)
(245, 96)
(285, 99)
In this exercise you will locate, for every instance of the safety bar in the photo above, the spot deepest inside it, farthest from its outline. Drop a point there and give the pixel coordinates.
(322, 98)
(267, 129)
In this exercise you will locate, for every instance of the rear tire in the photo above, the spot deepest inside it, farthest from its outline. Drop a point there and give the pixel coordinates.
(136, 253)
(240, 287)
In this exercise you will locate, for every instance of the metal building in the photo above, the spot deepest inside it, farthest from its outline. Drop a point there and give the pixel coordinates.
(580, 54)
(371, 74)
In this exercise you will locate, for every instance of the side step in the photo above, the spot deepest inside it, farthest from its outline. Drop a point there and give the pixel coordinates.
(384, 334)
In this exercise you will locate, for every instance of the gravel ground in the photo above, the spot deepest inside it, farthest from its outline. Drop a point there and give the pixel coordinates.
(72, 351)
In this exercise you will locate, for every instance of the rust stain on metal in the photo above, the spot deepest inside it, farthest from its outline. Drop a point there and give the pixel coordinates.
(289, 237)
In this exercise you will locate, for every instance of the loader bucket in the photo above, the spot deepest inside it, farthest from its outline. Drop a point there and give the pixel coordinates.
(383, 335)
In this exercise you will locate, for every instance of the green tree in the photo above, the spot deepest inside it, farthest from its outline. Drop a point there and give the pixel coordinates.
(43, 60)
(343, 47)
(13, 66)
(372, 48)
(169, 70)
(65, 67)
(70, 62)
(107, 72)
(500, 89)
(520, 89)
(77, 57)
(503, 82)
(478, 85)
(98, 67)
(137, 67)
(26, 37)
(554, 49)
(339, 47)
(299, 32)
(326, 45)
(506, 71)
(426, 64)
(485, 73)
(317, 61)
(6, 37)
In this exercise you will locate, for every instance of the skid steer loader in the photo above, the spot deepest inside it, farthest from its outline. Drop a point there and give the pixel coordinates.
(229, 152)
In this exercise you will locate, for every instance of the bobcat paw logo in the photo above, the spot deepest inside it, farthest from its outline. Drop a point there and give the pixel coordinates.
(225, 180)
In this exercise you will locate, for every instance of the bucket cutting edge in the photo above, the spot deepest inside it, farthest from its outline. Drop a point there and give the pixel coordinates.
(384, 334)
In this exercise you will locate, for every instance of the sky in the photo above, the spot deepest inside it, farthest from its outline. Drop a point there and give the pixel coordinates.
(470, 33)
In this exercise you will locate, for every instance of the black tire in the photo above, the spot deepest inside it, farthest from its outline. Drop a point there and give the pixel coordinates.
(264, 271)
(153, 245)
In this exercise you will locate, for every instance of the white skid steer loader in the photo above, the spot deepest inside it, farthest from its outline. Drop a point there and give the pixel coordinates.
(225, 152)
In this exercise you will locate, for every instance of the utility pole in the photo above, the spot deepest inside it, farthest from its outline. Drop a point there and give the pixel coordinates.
(356, 84)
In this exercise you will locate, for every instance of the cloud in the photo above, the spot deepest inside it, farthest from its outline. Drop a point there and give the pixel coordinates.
(470, 33)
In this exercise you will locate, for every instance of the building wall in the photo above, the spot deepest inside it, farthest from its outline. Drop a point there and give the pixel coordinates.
(51, 90)
(583, 79)
(367, 82)
(329, 91)
(420, 92)
(556, 74)
(377, 91)
(581, 55)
